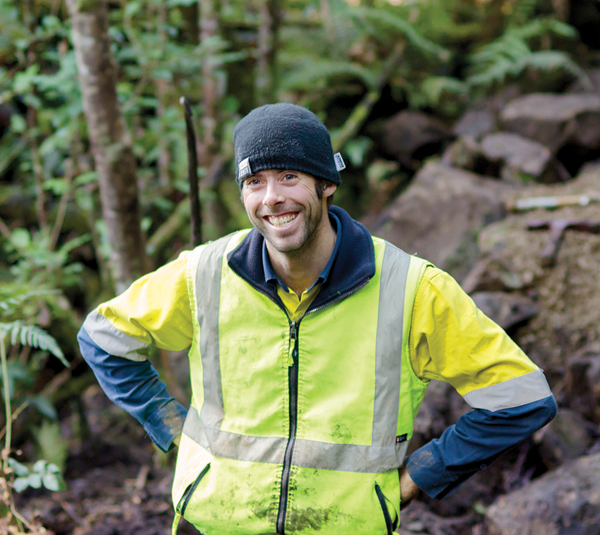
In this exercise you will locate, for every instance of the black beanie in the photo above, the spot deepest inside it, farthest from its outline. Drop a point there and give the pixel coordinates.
(284, 136)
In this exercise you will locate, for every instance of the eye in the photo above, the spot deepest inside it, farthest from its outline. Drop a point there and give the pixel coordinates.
(289, 176)
(252, 181)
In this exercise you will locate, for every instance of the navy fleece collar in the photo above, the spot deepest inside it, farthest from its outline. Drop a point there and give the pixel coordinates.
(270, 275)
(353, 266)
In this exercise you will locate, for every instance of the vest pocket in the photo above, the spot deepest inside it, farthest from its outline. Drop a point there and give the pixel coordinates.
(185, 499)
(390, 525)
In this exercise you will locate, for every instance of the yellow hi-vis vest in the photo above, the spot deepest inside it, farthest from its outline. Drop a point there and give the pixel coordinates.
(297, 427)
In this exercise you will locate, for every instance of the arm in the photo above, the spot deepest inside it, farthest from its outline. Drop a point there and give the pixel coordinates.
(453, 341)
(115, 337)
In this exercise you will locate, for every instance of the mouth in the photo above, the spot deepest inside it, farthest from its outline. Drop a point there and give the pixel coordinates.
(281, 220)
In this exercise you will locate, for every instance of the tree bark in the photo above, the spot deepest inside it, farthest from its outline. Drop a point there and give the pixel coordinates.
(214, 212)
(111, 142)
(266, 65)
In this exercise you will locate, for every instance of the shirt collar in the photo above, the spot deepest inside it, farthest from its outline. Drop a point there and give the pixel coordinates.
(270, 275)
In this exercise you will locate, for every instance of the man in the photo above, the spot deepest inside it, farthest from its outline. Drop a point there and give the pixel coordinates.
(311, 347)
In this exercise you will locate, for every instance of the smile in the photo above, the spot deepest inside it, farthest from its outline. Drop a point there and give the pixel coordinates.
(281, 220)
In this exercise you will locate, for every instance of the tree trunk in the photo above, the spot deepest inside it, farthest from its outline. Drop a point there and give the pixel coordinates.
(111, 142)
(214, 212)
(266, 65)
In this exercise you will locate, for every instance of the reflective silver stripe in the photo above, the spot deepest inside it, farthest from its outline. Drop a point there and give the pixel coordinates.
(349, 457)
(388, 358)
(109, 338)
(232, 445)
(307, 453)
(208, 291)
(512, 393)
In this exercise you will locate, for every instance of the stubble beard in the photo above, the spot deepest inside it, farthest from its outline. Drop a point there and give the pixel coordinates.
(310, 225)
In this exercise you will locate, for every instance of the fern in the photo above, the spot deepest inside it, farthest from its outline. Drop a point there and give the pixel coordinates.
(388, 20)
(511, 55)
(312, 71)
(10, 301)
(30, 335)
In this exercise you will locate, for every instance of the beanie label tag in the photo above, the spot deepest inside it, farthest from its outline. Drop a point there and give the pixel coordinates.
(244, 168)
(339, 162)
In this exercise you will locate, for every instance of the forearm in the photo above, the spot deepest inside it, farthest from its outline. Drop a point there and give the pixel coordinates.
(478, 438)
(136, 387)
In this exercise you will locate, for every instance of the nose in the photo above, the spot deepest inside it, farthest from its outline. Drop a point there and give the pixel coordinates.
(273, 193)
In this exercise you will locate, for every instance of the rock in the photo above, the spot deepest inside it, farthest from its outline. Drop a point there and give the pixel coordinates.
(463, 153)
(568, 294)
(583, 85)
(475, 124)
(565, 438)
(518, 155)
(413, 135)
(492, 273)
(554, 120)
(505, 309)
(563, 502)
(439, 216)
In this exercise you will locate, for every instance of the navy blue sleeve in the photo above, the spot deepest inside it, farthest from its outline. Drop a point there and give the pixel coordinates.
(478, 438)
(136, 387)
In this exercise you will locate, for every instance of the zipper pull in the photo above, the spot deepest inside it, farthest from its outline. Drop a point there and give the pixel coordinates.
(293, 336)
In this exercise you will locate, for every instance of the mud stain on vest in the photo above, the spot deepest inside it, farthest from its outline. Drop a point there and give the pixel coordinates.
(343, 432)
(310, 518)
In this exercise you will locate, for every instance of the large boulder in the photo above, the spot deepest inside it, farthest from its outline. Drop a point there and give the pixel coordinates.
(440, 215)
(554, 120)
(519, 156)
(563, 502)
(410, 136)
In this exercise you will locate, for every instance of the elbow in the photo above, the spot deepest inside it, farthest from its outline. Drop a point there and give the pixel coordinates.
(549, 410)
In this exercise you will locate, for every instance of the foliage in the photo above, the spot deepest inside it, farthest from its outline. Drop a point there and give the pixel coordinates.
(512, 55)
(42, 474)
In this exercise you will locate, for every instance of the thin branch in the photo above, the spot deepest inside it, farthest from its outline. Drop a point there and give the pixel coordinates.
(5, 231)
(8, 410)
(62, 211)
(361, 111)
(14, 416)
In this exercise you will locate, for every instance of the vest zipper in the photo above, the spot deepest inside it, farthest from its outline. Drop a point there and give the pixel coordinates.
(293, 396)
(187, 495)
(293, 415)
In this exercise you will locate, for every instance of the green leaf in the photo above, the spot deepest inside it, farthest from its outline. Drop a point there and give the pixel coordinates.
(20, 469)
(52, 469)
(131, 8)
(21, 238)
(173, 3)
(86, 178)
(357, 148)
(35, 480)
(21, 483)
(52, 482)
(44, 405)
(40, 466)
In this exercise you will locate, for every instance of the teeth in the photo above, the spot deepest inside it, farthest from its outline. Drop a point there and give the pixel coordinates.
(281, 220)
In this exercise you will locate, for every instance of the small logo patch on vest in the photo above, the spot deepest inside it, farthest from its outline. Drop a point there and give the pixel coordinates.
(400, 439)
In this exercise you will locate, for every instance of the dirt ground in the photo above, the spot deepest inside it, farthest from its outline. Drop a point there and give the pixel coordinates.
(118, 482)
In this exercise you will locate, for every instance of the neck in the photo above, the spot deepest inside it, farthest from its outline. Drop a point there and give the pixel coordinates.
(298, 270)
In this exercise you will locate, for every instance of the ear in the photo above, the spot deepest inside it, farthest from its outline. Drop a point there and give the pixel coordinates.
(329, 189)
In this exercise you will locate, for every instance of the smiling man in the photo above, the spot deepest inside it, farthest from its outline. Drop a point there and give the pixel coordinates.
(311, 344)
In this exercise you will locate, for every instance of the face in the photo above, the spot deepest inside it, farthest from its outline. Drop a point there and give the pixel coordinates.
(285, 208)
